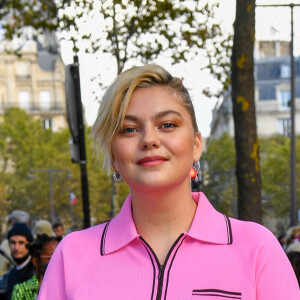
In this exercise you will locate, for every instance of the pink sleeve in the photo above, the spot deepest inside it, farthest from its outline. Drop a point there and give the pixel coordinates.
(275, 277)
(53, 285)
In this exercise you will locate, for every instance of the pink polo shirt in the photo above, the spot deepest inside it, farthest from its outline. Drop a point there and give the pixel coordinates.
(219, 258)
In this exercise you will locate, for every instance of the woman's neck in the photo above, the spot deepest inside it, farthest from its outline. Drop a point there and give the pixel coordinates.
(161, 216)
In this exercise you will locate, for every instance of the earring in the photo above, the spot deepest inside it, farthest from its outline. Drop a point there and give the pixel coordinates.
(116, 176)
(196, 165)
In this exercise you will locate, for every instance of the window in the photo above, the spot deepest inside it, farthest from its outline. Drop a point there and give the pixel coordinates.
(24, 100)
(285, 71)
(285, 126)
(45, 100)
(284, 101)
(47, 123)
(23, 69)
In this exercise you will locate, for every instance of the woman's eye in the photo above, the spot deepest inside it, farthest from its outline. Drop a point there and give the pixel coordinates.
(129, 130)
(168, 125)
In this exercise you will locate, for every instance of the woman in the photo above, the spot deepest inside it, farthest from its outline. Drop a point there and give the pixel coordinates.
(166, 243)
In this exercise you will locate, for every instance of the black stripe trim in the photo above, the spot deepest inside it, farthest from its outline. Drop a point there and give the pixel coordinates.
(154, 271)
(229, 231)
(167, 283)
(154, 255)
(102, 245)
(217, 295)
(162, 270)
(161, 280)
(217, 291)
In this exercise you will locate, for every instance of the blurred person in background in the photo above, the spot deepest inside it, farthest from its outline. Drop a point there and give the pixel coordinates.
(59, 230)
(294, 258)
(43, 227)
(294, 247)
(292, 237)
(281, 239)
(6, 261)
(41, 251)
(19, 236)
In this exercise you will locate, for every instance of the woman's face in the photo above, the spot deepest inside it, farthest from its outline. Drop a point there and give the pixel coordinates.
(157, 145)
(46, 254)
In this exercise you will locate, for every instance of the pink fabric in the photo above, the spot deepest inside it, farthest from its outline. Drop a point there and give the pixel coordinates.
(216, 259)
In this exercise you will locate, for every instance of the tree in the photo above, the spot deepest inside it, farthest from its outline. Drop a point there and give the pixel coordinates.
(275, 170)
(220, 182)
(30, 18)
(26, 145)
(143, 30)
(220, 185)
(246, 143)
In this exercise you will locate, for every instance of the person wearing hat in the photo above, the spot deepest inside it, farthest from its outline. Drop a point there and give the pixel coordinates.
(6, 261)
(19, 236)
(43, 227)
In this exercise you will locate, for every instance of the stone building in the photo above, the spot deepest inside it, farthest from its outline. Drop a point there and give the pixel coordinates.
(272, 94)
(34, 82)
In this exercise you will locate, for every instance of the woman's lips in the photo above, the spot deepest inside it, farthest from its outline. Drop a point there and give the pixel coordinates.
(151, 160)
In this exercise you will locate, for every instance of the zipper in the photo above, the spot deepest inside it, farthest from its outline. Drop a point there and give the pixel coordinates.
(161, 268)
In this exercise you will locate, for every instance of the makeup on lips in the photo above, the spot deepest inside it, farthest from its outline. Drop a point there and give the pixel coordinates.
(149, 161)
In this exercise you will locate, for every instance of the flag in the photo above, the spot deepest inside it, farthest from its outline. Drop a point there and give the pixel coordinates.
(73, 198)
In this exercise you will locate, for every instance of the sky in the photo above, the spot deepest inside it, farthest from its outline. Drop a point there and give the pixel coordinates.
(194, 79)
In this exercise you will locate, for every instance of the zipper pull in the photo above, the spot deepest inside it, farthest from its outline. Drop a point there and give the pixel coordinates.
(160, 271)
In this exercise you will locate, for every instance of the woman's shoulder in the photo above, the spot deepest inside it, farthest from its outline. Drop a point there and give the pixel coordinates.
(252, 237)
(248, 230)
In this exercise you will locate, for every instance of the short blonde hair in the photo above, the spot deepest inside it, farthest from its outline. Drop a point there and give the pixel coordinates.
(114, 104)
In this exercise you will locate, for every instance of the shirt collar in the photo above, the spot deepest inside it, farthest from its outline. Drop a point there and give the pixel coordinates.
(208, 225)
(24, 264)
(119, 231)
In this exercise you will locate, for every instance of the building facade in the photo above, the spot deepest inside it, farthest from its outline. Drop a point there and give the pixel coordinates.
(34, 82)
(272, 94)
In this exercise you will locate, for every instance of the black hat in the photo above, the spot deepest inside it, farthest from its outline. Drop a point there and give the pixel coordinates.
(20, 229)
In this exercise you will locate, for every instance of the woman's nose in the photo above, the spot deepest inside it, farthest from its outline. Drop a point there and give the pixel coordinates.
(150, 139)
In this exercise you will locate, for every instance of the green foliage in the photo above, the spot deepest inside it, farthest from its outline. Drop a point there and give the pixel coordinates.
(122, 192)
(99, 186)
(275, 171)
(26, 148)
(220, 183)
(25, 145)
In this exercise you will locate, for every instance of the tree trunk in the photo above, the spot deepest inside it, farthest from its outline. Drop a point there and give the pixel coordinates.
(246, 143)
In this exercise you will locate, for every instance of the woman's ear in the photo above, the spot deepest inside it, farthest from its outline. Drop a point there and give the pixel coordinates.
(113, 165)
(112, 161)
(197, 146)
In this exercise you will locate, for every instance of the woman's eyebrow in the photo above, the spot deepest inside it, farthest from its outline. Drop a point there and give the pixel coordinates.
(167, 112)
(158, 115)
(131, 118)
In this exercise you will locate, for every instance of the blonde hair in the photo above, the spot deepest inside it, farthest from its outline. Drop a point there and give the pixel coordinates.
(114, 104)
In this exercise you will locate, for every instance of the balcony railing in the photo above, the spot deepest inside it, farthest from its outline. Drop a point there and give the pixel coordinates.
(35, 107)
